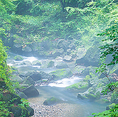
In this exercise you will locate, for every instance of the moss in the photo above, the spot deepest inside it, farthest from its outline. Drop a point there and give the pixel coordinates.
(51, 101)
(61, 73)
(80, 85)
(104, 100)
(18, 58)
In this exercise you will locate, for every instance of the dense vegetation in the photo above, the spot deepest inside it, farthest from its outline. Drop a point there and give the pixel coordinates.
(27, 23)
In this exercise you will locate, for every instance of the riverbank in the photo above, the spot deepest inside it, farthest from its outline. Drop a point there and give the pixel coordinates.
(58, 110)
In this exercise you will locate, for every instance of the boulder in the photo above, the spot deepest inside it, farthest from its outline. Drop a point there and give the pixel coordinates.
(50, 64)
(22, 95)
(27, 63)
(62, 43)
(37, 63)
(110, 106)
(52, 100)
(19, 111)
(45, 75)
(61, 65)
(35, 75)
(91, 57)
(30, 111)
(68, 58)
(57, 52)
(61, 73)
(28, 81)
(18, 58)
(16, 78)
(85, 72)
(27, 49)
(31, 92)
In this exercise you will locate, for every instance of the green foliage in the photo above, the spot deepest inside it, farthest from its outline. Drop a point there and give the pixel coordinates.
(110, 87)
(8, 98)
(112, 112)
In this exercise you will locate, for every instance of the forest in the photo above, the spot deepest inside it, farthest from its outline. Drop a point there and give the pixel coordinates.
(68, 39)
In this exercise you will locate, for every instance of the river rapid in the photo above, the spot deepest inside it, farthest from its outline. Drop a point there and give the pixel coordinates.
(71, 107)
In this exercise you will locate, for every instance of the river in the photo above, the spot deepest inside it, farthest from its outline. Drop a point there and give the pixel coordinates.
(71, 107)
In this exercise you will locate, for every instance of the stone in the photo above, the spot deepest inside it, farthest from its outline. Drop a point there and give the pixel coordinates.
(61, 73)
(67, 58)
(37, 63)
(22, 95)
(61, 65)
(18, 58)
(28, 81)
(50, 64)
(51, 101)
(31, 92)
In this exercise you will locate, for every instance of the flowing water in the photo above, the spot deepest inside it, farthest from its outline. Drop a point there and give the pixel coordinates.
(77, 107)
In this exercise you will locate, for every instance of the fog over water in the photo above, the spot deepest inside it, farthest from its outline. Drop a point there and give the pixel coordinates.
(58, 89)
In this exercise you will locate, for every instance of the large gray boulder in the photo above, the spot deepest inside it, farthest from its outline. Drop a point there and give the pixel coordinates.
(31, 91)
(91, 57)
(35, 75)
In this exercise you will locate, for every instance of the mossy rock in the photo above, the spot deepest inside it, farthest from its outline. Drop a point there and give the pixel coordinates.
(103, 101)
(13, 98)
(38, 63)
(62, 73)
(19, 111)
(79, 85)
(50, 64)
(93, 96)
(51, 101)
(114, 96)
(110, 106)
(18, 58)
(29, 81)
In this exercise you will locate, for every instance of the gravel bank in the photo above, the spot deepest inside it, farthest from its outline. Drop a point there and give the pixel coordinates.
(58, 110)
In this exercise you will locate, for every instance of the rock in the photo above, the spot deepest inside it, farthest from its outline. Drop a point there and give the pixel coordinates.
(114, 96)
(27, 49)
(18, 58)
(38, 75)
(57, 52)
(45, 75)
(85, 72)
(51, 101)
(19, 111)
(91, 94)
(110, 106)
(35, 75)
(79, 85)
(72, 46)
(16, 78)
(22, 95)
(50, 64)
(79, 96)
(61, 65)
(91, 57)
(67, 58)
(30, 111)
(28, 81)
(61, 73)
(62, 43)
(31, 92)
(9, 96)
(38, 63)
(27, 63)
